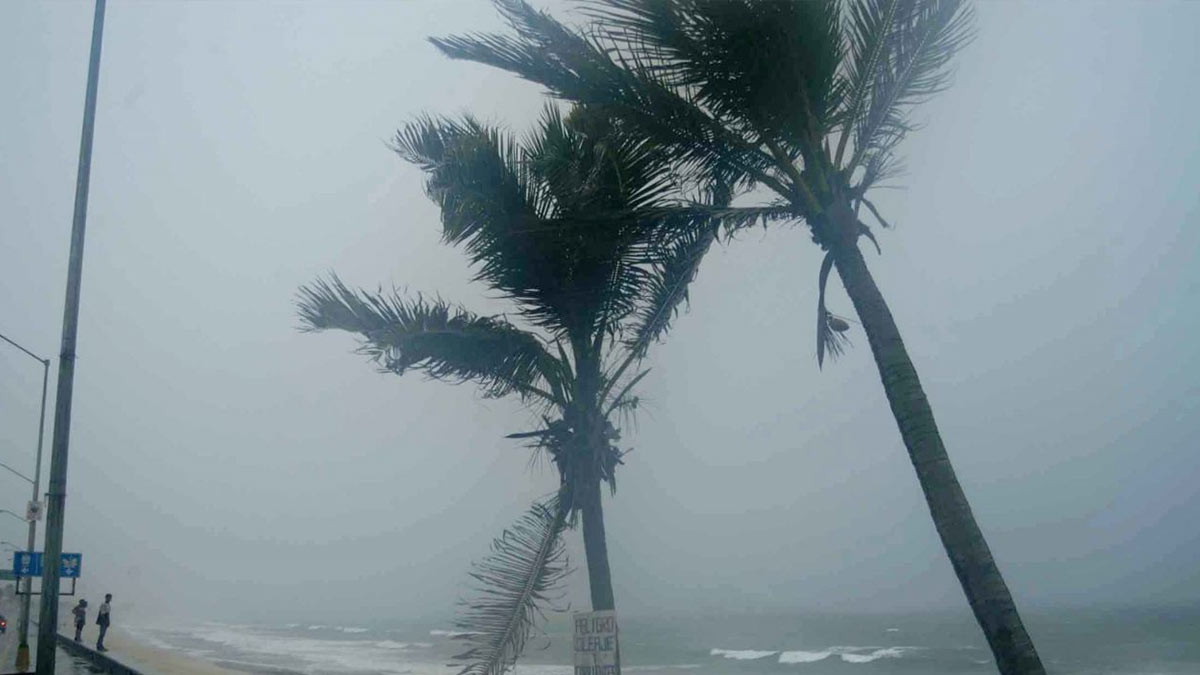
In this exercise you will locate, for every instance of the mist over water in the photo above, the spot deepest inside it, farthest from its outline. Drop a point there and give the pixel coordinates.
(1124, 641)
(266, 500)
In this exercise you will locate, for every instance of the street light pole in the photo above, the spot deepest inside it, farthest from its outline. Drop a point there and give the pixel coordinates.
(23, 627)
(47, 645)
(23, 623)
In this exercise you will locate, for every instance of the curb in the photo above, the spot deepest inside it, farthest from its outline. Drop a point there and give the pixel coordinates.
(100, 660)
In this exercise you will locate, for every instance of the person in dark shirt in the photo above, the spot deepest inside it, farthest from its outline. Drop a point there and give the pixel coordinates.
(80, 612)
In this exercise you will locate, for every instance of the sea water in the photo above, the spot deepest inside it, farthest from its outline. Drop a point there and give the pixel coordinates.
(1113, 641)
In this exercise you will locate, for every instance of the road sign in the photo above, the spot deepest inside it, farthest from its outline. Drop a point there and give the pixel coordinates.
(33, 511)
(30, 564)
(596, 643)
(70, 565)
(27, 563)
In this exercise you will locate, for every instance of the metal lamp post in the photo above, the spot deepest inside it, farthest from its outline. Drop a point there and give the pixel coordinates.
(57, 497)
(23, 623)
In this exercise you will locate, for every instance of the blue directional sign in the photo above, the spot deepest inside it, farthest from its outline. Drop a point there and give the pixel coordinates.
(69, 565)
(30, 564)
(27, 563)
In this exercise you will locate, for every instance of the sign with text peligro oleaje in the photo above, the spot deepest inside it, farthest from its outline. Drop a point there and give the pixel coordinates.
(596, 643)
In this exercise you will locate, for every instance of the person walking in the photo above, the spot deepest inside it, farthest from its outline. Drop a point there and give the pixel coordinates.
(103, 618)
(80, 612)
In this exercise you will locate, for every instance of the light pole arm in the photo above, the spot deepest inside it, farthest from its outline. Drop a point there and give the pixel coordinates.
(20, 475)
(13, 515)
(31, 354)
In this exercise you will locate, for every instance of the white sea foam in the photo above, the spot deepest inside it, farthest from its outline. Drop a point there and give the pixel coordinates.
(885, 653)
(742, 654)
(893, 630)
(309, 655)
(847, 653)
(803, 656)
(351, 629)
(392, 644)
(452, 633)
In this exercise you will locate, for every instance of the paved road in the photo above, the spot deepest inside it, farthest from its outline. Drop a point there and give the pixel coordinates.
(64, 664)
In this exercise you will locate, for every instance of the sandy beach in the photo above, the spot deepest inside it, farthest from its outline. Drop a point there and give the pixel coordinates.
(155, 660)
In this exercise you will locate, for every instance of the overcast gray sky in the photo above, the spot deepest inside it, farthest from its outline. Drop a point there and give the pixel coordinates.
(1043, 272)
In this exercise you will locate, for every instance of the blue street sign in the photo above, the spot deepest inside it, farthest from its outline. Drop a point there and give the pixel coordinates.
(30, 564)
(27, 563)
(69, 565)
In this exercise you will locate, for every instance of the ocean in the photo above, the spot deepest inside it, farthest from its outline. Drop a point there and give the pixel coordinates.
(1117, 642)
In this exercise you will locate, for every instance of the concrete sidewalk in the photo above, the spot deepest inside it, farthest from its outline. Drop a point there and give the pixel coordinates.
(97, 660)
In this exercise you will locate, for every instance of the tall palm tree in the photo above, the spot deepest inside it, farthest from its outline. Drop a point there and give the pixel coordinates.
(800, 105)
(592, 295)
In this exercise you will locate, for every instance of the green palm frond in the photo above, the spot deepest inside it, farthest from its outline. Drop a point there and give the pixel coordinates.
(673, 271)
(516, 580)
(900, 56)
(552, 222)
(766, 69)
(668, 287)
(868, 27)
(830, 329)
(445, 342)
(593, 71)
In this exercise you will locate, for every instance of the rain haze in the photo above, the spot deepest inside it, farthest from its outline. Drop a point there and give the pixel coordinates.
(225, 466)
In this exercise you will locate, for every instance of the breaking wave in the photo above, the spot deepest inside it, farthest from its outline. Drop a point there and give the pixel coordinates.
(848, 654)
(742, 654)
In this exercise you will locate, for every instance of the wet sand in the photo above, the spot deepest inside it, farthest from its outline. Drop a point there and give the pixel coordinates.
(152, 660)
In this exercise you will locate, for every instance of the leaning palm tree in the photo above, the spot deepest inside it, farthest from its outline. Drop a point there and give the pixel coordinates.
(800, 105)
(591, 295)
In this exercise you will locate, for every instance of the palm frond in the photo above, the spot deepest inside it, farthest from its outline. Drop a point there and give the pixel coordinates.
(830, 329)
(624, 400)
(910, 49)
(667, 287)
(445, 342)
(767, 69)
(514, 583)
(586, 70)
(869, 26)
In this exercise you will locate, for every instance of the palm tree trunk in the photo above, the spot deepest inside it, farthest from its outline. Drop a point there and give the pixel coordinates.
(595, 545)
(968, 551)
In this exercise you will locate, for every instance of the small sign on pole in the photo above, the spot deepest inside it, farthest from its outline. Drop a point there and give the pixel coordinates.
(33, 511)
(596, 643)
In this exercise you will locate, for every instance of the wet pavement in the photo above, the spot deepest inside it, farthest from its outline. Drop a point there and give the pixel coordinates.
(64, 664)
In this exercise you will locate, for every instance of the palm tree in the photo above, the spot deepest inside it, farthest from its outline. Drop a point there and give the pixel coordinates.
(800, 105)
(592, 293)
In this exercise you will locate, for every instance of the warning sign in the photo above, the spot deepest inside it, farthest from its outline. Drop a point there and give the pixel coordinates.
(596, 643)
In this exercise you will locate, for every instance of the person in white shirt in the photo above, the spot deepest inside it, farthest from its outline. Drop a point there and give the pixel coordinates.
(103, 618)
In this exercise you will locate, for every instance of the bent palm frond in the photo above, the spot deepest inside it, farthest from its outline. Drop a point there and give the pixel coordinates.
(829, 328)
(668, 287)
(902, 52)
(443, 341)
(625, 84)
(766, 69)
(516, 579)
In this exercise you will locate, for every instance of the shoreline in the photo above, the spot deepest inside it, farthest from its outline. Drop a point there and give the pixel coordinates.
(154, 659)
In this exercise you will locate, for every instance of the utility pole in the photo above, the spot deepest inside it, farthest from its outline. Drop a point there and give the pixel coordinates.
(48, 625)
(23, 624)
